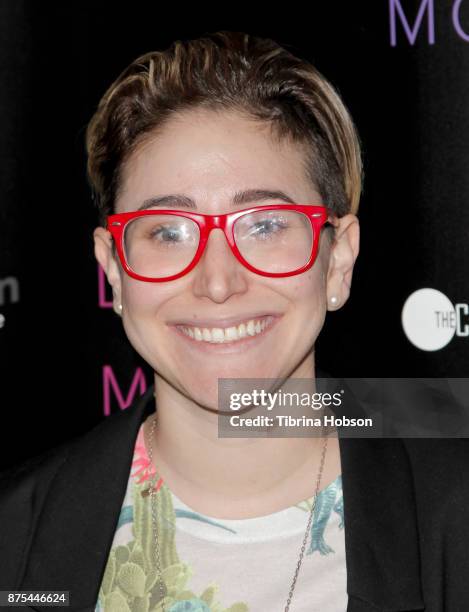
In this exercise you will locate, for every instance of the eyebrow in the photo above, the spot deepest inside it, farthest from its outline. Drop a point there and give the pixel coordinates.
(241, 197)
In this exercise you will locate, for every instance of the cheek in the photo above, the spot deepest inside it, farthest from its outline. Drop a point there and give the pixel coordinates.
(309, 287)
(308, 297)
(140, 297)
(142, 307)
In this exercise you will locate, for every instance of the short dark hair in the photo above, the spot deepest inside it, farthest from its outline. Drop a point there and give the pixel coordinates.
(232, 71)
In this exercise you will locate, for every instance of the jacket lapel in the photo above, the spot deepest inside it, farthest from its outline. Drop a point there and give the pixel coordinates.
(74, 533)
(381, 537)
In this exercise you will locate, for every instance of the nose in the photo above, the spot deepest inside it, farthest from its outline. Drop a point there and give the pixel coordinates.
(218, 274)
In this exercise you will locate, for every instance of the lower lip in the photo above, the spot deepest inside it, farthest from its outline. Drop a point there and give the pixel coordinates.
(228, 347)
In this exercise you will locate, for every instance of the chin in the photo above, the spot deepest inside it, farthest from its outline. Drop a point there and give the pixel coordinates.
(207, 398)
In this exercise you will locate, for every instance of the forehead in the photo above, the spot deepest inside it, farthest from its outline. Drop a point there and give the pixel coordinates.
(210, 155)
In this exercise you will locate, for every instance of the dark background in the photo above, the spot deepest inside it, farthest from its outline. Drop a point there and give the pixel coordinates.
(411, 106)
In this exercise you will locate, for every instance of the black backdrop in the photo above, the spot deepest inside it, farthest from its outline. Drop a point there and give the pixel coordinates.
(402, 68)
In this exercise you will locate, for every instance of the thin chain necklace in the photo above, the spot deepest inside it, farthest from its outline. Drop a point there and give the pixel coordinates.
(155, 524)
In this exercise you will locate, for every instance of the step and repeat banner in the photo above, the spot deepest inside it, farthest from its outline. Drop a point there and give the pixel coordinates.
(401, 67)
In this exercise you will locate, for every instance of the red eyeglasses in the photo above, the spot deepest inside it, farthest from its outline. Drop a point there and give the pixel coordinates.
(271, 240)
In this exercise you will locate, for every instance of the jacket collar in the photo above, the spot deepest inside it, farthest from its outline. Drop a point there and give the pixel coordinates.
(76, 527)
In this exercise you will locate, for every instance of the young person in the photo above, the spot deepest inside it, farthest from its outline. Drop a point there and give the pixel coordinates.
(228, 174)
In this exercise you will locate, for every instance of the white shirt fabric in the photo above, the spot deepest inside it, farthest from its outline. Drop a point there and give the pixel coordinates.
(223, 565)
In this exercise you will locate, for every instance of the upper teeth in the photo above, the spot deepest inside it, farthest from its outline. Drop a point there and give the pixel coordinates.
(228, 334)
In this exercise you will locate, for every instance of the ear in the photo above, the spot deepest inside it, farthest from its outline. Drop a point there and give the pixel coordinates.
(343, 253)
(108, 261)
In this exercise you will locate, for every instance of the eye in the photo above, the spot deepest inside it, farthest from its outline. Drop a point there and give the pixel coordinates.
(268, 227)
(170, 234)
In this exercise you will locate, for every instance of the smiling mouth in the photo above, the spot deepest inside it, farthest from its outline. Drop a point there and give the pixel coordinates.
(228, 335)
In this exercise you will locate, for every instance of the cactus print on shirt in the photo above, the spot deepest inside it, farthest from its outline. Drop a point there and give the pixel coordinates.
(222, 565)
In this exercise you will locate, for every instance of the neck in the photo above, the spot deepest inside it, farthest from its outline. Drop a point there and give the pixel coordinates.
(240, 476)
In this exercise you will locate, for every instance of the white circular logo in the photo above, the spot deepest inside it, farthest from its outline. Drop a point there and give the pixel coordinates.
(429, 319)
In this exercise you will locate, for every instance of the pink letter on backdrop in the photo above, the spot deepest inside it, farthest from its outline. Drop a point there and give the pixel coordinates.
(109, 380)
(102, 281)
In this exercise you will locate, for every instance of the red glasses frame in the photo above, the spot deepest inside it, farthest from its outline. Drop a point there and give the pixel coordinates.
(318, 216)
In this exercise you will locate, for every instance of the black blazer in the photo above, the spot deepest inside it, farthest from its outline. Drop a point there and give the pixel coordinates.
(405, 515)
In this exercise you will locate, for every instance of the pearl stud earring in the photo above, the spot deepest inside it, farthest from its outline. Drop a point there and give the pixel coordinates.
(334, 300)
